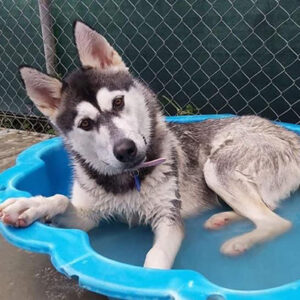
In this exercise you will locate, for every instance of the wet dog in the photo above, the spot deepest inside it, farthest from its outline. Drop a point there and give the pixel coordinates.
(130, 164)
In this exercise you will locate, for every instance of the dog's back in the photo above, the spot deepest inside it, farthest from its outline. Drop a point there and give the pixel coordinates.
(268, 154)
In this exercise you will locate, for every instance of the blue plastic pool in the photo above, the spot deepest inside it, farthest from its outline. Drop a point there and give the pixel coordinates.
(108, 260)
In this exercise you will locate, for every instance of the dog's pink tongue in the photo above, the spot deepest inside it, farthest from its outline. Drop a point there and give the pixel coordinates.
(152, 163)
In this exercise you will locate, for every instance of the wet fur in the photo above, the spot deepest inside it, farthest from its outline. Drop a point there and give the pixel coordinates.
(249, 162)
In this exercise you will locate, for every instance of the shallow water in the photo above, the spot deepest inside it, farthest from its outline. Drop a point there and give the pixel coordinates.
(268, 265)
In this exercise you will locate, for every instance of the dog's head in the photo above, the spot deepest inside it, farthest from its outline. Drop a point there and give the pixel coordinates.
(102, 112)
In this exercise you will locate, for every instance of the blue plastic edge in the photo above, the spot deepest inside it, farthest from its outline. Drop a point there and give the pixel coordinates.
(105, 276)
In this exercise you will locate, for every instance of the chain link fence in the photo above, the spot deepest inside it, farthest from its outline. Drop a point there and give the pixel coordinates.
(200, 57)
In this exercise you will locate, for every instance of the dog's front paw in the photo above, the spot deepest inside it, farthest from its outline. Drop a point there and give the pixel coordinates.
(235, 246)
(21, 212)
(157, 259)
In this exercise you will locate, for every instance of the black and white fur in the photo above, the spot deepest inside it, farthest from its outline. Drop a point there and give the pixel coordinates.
(249, 162)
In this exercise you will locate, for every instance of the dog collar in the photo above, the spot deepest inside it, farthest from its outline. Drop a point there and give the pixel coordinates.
(146, 164)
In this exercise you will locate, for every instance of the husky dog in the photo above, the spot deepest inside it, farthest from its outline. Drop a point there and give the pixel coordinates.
(130, 164)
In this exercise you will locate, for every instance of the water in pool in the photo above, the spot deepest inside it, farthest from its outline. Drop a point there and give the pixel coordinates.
(271, 264)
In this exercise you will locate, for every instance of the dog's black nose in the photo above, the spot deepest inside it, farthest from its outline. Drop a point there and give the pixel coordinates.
(125, 150)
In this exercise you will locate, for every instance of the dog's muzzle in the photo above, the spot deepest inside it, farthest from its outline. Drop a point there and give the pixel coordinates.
(125, 150)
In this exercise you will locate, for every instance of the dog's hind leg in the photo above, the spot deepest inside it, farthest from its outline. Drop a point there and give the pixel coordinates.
(219, 220)
(241, 194)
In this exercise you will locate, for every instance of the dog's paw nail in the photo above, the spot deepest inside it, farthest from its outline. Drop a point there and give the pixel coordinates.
(218, 224)
(7, 220)
(21, 223)
(213, 225)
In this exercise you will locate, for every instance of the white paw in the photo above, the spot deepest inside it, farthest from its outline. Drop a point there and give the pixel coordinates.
(157, 259)
(216, 222)
(21, 212)
(235, 246)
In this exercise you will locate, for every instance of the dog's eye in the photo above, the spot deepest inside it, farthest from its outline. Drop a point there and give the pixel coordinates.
(118, 102)
(86, 124)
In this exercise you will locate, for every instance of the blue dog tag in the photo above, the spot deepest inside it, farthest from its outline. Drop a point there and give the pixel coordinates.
(137, 181)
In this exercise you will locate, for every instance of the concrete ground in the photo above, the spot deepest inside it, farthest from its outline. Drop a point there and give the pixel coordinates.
(25, 275)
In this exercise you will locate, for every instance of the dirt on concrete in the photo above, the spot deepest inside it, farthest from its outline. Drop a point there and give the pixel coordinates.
(25, 275)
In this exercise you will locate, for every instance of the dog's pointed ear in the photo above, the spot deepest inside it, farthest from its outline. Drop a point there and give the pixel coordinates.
(43, 90)
(94, 50)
